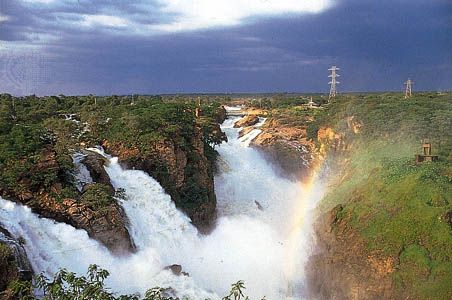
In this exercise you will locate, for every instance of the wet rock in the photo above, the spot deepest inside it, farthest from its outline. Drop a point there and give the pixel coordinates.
(107, 225)
(94, 162)
(245, 131)
(247, 121)
(290, 159)
(286, 147)
(342, 267)
(185, 173)
(177, 270)
(259, 206)
(14, 264)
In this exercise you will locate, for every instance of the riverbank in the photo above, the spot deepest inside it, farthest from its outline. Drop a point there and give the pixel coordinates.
(392, 214)
(44, 165)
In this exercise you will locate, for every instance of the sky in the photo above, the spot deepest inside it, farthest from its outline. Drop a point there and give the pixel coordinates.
(103, 47)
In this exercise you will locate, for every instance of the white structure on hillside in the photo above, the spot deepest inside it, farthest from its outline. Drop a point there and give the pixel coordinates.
(408, 88)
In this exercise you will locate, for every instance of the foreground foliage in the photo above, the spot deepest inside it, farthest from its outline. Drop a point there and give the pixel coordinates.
(67, 285)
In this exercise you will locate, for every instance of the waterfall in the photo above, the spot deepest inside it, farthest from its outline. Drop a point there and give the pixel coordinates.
(51, 245)
(261, 235)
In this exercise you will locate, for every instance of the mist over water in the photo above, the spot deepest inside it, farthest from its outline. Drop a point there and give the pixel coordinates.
(262, 235)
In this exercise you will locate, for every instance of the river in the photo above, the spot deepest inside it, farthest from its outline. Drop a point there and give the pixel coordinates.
(263, 233)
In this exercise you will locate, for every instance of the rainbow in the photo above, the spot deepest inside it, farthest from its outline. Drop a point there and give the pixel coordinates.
(298, 238)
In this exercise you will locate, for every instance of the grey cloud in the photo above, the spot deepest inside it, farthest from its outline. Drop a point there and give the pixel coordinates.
(378, 45)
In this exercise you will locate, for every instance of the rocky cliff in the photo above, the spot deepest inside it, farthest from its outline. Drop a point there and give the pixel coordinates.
(14, 265)
(343, 268)
(282, 142)
(185, 173)
(383, 230)
(107, 225)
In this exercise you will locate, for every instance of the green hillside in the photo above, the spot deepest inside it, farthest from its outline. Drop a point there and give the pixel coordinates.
(401, 209)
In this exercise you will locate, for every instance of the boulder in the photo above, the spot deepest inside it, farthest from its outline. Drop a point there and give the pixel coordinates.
(259, 206)
(94, 162)
(247, 121)
(177, 270)
(245, 131)
(106, 225)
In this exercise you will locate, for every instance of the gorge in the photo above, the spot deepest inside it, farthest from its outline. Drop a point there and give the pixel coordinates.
(247, 243)
(298, 202)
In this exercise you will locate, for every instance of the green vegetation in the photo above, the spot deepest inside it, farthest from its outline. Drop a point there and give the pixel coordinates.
(400, 209)
(7, 265)
(98, 196)
(393, 119)
(68, 286)
(33, 129)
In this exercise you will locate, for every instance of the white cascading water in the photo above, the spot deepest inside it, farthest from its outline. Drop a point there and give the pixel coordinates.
(262, 236)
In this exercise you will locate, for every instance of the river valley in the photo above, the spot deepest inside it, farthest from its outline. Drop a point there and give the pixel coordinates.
(263, 233)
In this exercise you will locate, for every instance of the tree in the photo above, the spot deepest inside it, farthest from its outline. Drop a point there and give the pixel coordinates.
(67, 285)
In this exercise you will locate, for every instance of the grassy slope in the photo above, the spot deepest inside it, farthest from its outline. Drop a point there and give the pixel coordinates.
(398, 208)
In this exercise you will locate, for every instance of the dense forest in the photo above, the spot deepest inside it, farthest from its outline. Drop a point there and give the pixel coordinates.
(66, 124)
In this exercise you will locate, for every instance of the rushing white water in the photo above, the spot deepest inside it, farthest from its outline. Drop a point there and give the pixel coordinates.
(50, 245)
(262, 234)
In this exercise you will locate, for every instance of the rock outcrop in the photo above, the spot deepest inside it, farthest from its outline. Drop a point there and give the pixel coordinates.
(245, 131)
(342, 268)
(220, 115)
(330, 142)
(14, 264)
(107, 225)
(249, 120)
(185, 173)
(287, 147)
(177, 270)
(94, 162)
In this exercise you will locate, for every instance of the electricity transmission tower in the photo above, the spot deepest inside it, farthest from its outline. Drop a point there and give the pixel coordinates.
(408, 89)
(333, 82)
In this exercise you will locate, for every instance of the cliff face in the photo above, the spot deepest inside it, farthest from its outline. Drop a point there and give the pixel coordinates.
(14, 264)
(107, 225)
(342, 267)
(185, 173)
(287, 147)
(384, 228)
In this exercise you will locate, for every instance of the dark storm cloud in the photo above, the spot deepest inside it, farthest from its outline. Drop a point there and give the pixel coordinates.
(377, 45)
